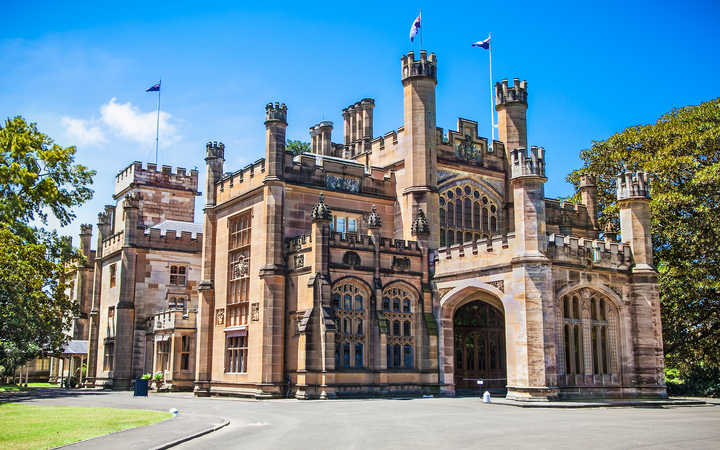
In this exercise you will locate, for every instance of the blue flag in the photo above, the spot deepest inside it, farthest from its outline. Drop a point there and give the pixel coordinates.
(483, 44)
(154, 88)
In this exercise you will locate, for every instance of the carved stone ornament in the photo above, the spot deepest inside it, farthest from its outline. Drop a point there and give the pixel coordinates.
(420, 224)
(466, 149)
(499, 284)
(220, 316)
(320, 210)
(374, 220)
(299, 261)
(240, 269)
(443, 291)
(255, 312)
(401, 263)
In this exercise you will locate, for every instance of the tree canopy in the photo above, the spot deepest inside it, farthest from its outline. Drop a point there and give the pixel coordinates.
(297, 147)
(681, 151)
(37, 178)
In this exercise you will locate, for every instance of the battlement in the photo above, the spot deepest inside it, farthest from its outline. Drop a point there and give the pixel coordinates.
(633, 185)
(362, 105)
(85, 228)
(235, 183)
(588, 181)
(158, 239)
(589, 252)
(215, 150)
(298, 243)
(504, 94)
(492, 244)
(276, 112)
(135, 174)
(526, 163)
(425, 67)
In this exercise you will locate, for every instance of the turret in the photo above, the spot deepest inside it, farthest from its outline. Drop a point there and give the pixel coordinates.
(321, 217)
(528, 184)
(419, 79)
(511, 105)
(589, 197)
(275, 125)
(85, 236)
(633, 196)
(214, 161)
(130, 212)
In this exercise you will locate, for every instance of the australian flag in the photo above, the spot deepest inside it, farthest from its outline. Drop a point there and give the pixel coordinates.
(154, 88)
(483, 44)
(415, 27)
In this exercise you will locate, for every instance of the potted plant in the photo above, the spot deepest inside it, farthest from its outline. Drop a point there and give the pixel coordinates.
(158, 379)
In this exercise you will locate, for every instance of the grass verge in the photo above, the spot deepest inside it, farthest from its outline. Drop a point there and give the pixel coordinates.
(30, 426)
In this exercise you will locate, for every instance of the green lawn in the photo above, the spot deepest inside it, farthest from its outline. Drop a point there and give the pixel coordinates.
(29, 426)
(15, 387)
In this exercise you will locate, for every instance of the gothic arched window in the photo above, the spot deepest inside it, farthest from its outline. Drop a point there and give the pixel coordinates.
(400, 342)
(348, 300)
(464, 212)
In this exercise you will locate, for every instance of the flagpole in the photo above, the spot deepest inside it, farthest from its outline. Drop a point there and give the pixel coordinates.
(421, 30)
(157, 124)
(492, 93)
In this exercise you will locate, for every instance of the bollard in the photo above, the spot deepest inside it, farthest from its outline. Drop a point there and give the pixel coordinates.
(486, 397)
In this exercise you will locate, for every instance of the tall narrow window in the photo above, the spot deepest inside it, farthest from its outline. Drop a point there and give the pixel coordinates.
(358, 355)
(185, 353)
(239, 271)
(467, 213)
(408, 357)
(113, 275)
(458, 213)
(476, 215)
(351, 312)
(406, 328)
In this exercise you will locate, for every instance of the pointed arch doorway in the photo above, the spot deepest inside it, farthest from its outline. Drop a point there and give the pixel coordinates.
(479, 335)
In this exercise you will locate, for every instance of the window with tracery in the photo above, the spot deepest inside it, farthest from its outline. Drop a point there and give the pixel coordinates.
(466, 214)
(587, 315)
(239, 271)
(399, 309)
(238, 300)
(350, 302)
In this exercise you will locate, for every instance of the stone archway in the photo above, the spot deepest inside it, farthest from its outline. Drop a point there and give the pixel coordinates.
(466, 293)
(479, 346)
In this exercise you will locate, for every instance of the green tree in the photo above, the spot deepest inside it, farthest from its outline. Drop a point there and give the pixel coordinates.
(297, 147)
(682, 152)
(37, 178)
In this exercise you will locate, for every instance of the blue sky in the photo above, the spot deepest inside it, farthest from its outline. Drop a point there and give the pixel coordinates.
(80, 71)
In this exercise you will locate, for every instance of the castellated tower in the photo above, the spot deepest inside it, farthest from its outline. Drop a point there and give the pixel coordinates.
(633, 196)
(511, 105)
(275, 125)
(419, 78)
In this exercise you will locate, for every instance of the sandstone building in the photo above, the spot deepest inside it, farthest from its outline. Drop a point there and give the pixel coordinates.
(142, 291)
(418, 261)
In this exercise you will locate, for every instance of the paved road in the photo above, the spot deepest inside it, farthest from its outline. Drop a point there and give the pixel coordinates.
(422, 423)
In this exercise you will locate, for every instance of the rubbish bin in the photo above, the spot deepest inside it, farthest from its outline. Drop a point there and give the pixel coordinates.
(141, 388)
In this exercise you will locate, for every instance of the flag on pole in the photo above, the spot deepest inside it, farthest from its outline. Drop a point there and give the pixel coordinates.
(415, 27)
(154, 88)
(483, 44)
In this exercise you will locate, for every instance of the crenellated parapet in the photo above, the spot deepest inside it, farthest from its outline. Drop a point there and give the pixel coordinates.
(276, 112)
(472, 255)
(505, 94)
(633, 185)
(589, 252)
(155, 238)
(425, 67)
(214, 150)
(137, 175)
(524, 163)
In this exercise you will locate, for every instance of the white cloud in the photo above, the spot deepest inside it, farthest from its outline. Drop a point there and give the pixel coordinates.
(128, 122)
(81, 132)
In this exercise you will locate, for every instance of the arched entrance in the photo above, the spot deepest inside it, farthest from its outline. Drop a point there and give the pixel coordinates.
(479, 335)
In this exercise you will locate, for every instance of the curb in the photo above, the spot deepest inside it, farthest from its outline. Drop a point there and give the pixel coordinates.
(192, 436)
(549, 405)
